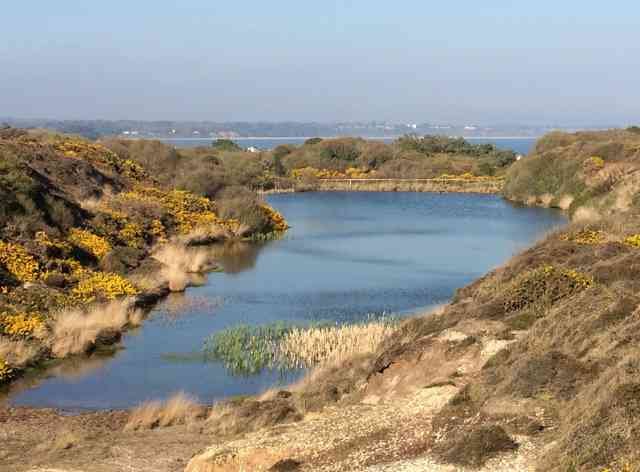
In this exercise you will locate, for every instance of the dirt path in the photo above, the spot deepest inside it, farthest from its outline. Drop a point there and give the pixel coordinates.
(46, 440)
(354, 438)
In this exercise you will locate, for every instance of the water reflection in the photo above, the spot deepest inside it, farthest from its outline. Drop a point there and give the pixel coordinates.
(237, 256)
(68, 370)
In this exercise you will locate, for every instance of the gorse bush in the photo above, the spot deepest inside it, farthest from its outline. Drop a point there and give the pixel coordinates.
(586, 237)
(103, 286)
(5, 371)
(19, 262)
(96, 245)
(633, 240)
(21, 324)
(545, 284)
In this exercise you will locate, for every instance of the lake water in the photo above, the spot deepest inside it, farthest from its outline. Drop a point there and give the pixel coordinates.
(519, 145)
(347, 255)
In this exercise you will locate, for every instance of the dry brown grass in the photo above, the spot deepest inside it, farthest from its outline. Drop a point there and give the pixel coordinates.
(243, 415)
(18, 353)
(76, 330)
(179, 409)
(182, 258)
(305, 347)
(180, 263)
(205, 235)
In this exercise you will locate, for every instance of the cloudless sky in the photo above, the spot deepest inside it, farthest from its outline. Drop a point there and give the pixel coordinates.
(492, 61)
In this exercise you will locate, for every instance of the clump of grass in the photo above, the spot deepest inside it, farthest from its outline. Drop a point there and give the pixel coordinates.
(76, 330)
(247, 350)
(476, 446)
(179, 409)
(179, 261)
(306, 347)
(18, 353)
(182, 258)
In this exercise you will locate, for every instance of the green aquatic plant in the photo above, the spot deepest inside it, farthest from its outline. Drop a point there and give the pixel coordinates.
(245, 349)
(248, 350)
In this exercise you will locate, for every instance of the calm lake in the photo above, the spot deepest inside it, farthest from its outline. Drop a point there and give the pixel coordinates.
(347, 255)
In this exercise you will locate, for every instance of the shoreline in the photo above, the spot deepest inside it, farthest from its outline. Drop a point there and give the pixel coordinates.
(284, 138)
(493, 187)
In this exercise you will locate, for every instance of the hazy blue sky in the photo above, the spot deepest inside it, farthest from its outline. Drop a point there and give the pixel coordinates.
(544, 61)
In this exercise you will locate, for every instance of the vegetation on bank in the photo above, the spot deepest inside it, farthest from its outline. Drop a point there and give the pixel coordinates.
(217, 169)
(78, 223)
(588, 173)
(247, 350)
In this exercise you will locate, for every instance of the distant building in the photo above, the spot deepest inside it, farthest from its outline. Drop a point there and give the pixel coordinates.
(253, 149)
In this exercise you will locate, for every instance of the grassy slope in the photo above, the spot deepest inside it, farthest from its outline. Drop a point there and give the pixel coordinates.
(571, 305)
(588, 173)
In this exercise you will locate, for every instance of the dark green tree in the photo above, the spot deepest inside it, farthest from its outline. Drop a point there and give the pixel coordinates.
(225, 145)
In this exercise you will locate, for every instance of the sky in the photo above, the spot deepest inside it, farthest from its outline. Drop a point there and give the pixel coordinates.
(497, 61)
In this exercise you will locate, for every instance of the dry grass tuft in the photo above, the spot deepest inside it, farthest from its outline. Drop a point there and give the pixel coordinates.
(179, 409)
(18, 353)
(180, 262)
(181, 258)
(305, 347)
(76, 330)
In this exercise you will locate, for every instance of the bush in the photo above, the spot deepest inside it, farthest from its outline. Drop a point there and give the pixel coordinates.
(343, 149)
(225, 145)
(634, 129)
(241, 204)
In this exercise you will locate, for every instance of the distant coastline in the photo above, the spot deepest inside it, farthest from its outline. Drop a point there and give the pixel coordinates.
(284, 138)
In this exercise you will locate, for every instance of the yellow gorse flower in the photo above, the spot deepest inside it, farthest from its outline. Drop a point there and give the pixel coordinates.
(96, 245)
(5, 371)
(19, 262)
(633, 240)
(103, 285)
(586, 237)
(278, 223)
(190, 211)
(44, 239)
(133, 235)
(100, 155)
(545, 282)
(21, 324)
(596, 162)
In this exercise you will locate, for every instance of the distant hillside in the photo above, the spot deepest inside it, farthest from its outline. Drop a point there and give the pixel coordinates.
(587, 173)
(207, 129)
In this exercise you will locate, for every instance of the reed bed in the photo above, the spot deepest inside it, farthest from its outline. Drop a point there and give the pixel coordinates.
(308, 347)
(247, 350)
